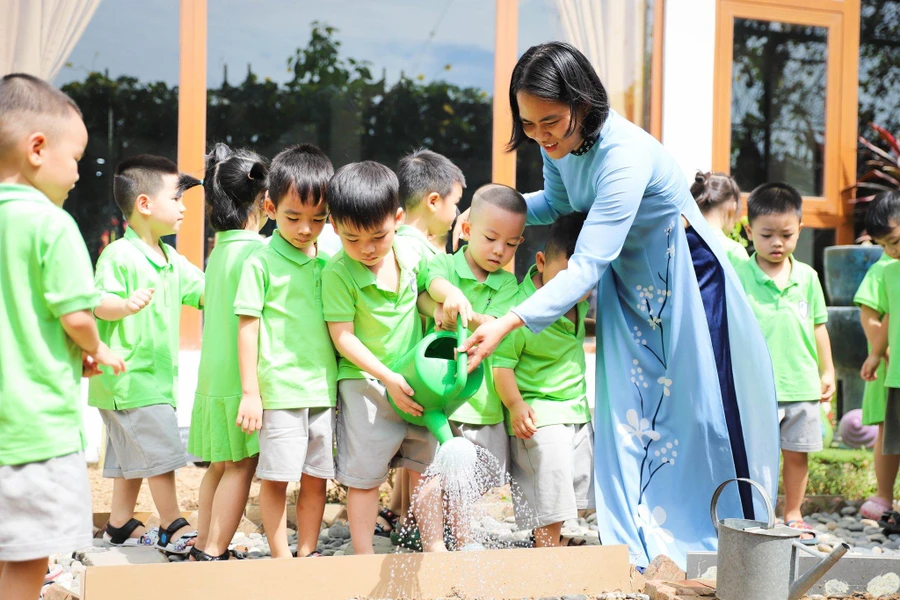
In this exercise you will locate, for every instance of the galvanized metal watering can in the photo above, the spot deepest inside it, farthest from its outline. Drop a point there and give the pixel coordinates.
(759, 560)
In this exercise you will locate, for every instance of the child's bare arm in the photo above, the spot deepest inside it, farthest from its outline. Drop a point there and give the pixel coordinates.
(826, 363)
(521, 415)
(454, 301)
(879, 348)
(249, 417)
(114, 308)
(871, 322)
(82, 328)
(346, 342)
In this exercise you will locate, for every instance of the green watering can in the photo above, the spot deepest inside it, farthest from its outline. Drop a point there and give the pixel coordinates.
(441, 381)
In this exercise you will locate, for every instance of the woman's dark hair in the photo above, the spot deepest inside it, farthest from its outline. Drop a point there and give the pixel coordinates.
(712, 189)
(883, 214)
(560, 73)
(233, 182)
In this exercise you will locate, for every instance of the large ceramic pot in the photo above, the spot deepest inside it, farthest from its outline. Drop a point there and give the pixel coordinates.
(845, 267)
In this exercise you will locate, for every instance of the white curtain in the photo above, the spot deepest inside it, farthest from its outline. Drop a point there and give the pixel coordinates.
(611, 33)
(37, 36)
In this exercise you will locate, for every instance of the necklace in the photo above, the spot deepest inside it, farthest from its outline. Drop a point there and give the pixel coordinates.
(585, 146)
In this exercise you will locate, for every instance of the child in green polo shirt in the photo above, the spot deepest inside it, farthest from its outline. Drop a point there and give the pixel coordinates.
(234, 187)
(287, 361)
(719, 199)
(540, 379)
(144, 283)
(788, 302)
(471, 284)
(369, 291)
(46, 328)
(869, 298)
(883, 224)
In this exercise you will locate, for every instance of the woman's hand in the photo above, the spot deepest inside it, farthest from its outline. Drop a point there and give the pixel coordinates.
(487, 337)
(457, 229)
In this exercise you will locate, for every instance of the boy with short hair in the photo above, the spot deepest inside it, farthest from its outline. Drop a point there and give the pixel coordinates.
(471, 284)
(540, 379)
(144, 283)
(369, 291)
(46, 327)
(788, 302)
(288, 365)
(431, 187)
(883, 224)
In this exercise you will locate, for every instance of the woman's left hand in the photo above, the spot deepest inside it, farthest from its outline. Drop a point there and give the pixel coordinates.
(485, 339)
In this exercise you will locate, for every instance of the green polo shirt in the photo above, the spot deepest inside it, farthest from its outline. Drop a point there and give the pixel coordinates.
(871, 293)
(890, 299)
(219, 375)
(148, 339)
(493, 297)
(419, 241)
(549, 366)
(385, 321)
(282, 287)
(788, 318)
(45, 273)
(735, 251)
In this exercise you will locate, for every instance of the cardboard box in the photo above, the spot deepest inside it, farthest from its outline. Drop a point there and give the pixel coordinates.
(516, 573)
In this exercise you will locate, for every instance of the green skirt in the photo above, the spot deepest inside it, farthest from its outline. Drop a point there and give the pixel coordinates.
(875, 398)
(214, 436)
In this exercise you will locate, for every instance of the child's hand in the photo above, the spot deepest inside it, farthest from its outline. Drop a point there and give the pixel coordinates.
(869, 367)
(249, 417)
(401, 393)
(89, 367)
(828, 386)
(457, 305)
(523, 419)
(139, 300)
(104, 356)
(438, 317)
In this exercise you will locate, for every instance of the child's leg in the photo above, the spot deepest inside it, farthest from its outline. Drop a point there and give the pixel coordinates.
(796, 475)
(428, 510)
(886, 467)
(22, 580)
(273, 506)
(165, 497)
(228, 504)
(124, 499)
(362, 508)
(548, 535)
(208, 486)
(310, 508)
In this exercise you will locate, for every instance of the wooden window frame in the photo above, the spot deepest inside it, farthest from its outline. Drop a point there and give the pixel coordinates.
(833, 210)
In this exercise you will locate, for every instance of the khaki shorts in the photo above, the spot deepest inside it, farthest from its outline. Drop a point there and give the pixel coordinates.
(555, 473)
(142, 442)
(45, 508)
(891, 434)
(295, 441)
(492, 438)
(801, 426)
(371, 437)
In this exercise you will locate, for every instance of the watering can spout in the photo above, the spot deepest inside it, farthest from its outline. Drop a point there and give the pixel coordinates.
(437, 423)
(802, 585)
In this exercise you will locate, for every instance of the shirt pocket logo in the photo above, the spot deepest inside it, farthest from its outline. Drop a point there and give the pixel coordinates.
(803, 307)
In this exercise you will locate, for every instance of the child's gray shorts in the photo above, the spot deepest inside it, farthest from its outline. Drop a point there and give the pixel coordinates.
(45, 508)
(371, 437)
(294, 441)
(554, 470)
(492, 438)
(801, 426)
(142, 442)
(891, 435)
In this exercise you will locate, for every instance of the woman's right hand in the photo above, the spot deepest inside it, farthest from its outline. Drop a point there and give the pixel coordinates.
(485, 339)
(457, 229)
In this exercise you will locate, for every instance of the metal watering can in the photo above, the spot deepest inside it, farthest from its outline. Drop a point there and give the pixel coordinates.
(759, 561)
(440, 379)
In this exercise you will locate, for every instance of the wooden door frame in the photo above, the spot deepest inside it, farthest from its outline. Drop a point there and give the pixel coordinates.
(841, 18)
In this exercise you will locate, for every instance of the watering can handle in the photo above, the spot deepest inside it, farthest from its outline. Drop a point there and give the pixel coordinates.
(713, 505)
(462, 359)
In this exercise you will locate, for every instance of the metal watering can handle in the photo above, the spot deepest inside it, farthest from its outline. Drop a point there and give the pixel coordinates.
(713, 505)
(462, 359)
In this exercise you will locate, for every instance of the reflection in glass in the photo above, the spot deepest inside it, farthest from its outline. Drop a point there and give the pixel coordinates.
(778, 104)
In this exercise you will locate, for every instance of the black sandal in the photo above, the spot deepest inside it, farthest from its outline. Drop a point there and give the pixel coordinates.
(121, 536)
(201, 556)
(391, 518)
(890, 522)
(168, 543)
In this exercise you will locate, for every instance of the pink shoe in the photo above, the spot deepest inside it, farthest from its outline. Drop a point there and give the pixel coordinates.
(874, 507)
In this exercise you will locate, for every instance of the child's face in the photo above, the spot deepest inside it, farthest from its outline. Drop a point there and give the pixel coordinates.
(368, 246)
(445, 210)
(55, 157)
(299, 223)
(891, 242)
(165, 209)
(775, 236)
(493, 234)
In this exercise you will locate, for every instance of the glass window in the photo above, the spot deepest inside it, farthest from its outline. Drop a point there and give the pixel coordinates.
(778, 104)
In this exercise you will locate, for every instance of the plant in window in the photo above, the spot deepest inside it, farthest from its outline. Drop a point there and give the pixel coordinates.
(881, 172)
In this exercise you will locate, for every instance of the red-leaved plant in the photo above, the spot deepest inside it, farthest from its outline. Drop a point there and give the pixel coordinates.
(882, 171)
